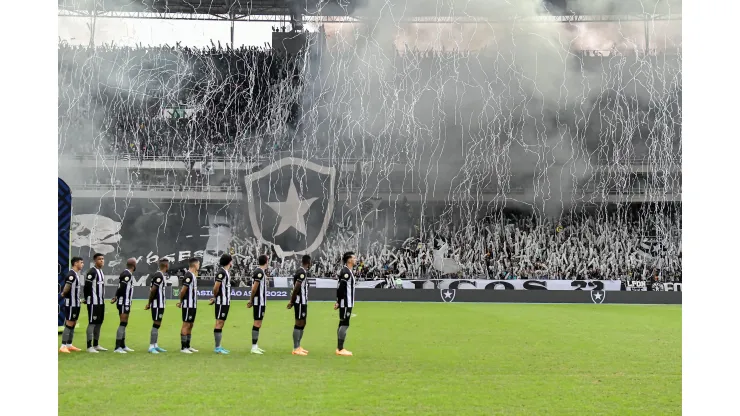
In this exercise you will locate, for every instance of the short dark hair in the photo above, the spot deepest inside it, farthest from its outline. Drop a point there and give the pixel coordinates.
(95, 257)
(306, 259)
(193, 260)
(262, 260)
(225, 260)
(75, 260)
(347, 256)
(164, 260)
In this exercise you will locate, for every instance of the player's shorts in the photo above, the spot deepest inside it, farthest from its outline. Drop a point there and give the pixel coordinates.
(258, 312)
(71, 313)
(188, 314)
(157, 314)
(301, 311)
(95, 314)
(345, 314)
(124, 309)
(222, 312)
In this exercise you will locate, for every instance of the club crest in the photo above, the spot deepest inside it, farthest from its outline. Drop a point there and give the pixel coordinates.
(448, 295)
(290, 204)
(598, 296)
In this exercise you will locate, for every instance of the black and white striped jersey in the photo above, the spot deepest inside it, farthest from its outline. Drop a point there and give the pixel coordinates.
(223, 297)
(346, 288)
(95, 287)
(159, 282)
(125, 293)
(301, 277)
(73, 297)
(259, 276)
(190, 286)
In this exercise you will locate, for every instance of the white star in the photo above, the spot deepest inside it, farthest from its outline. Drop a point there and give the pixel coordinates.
(291, 211)
(597, 295)
(448, 294)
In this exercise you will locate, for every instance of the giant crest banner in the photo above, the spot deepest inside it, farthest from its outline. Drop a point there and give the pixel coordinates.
(290, 203)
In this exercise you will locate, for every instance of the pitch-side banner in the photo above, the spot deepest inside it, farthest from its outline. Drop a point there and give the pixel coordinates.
(612, 285)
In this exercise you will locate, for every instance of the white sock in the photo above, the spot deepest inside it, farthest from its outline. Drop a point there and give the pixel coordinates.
(152, 346)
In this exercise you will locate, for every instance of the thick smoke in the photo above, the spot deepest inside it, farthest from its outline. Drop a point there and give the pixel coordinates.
(517, 107)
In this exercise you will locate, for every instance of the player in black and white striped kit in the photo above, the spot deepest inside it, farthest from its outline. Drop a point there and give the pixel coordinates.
(258, 300)
(95, 299)
(157, 302)
(189, 303)
(71, 294)
(345, 300)
(299, 300)
(222, 299)
(123, 298)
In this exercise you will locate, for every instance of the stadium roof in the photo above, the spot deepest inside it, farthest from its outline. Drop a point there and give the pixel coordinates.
(349, 7)
(217, 7)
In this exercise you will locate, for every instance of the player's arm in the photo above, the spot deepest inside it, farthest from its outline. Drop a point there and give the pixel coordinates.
(341, 289)
(65, 291)
(255, 287)
(256, 282)
(152, 292)
(67, 286)
(87, 289)
(121, 291)
(296, 291)
(183, 290)
(217, 286)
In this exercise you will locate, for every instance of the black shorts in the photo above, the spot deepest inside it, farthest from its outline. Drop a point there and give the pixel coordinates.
(258, 312)
(345, 314)
(95, 314)
(188, 314)
(124, 309)
(301, 311)
(157, 314)
(222, 312)
(71, 313)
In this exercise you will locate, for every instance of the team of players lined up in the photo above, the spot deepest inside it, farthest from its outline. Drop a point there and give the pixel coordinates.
(93, 297)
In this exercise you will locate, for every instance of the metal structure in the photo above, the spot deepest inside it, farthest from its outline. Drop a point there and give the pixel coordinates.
(117, 14)
(299, 12)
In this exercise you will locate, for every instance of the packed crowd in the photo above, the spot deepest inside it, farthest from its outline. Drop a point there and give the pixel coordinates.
(513, 247)
(172, 101)
(179, 101)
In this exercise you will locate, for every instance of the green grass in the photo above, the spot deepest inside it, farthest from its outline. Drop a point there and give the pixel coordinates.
(410, 358)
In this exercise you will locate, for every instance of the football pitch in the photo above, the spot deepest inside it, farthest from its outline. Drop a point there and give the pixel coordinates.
(409, 358)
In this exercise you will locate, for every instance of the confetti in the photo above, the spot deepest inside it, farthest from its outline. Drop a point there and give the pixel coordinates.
(434, 161)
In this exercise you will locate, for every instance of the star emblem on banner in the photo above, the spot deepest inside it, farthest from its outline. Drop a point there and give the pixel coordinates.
(292, 211)
(447, 294)
(597, 295)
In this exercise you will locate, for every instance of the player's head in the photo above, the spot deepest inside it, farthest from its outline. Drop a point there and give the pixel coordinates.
(164, 264)
(262, 260)
(194, 264)
(77, 263)
(225, 260)
(99, 260)
(349, 259)
(131, 264)
(306, 260)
